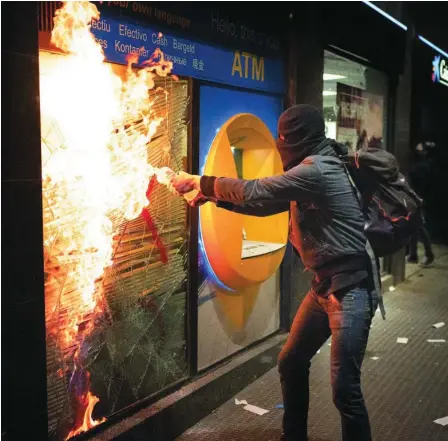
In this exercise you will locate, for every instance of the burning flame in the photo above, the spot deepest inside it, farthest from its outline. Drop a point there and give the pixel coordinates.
(90, 401)
(101, 168)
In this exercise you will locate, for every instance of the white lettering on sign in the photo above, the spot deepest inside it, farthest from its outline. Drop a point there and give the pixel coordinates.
(176, 60)
(198, 64)
(136, 34)
(101, 25)
(183, 47)
(159, 39)
(130, 49)
(101, 42)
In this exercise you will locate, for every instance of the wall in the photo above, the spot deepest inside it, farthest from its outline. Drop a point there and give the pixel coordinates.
(305, 66)
(23, 313)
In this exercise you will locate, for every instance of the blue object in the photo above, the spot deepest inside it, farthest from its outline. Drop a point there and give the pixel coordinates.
(216, 106)
(121, 38)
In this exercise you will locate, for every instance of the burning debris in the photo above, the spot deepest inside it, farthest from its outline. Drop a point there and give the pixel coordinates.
(92, 182)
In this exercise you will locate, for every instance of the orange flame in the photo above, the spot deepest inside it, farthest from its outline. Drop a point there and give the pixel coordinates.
(100, 168)
(89, 401)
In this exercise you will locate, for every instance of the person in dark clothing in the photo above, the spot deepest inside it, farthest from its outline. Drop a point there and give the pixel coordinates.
(362, 141)
(419, 174)
(327, 230)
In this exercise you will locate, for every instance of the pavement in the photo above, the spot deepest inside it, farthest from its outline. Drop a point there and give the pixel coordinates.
(405, 385)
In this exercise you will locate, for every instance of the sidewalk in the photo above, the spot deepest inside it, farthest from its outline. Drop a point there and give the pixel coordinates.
(406, 388)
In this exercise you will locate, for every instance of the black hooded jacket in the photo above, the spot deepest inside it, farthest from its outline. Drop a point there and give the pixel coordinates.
(326, 225)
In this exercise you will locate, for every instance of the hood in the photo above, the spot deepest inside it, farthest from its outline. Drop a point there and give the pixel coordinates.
(301, 133)
(380, 161)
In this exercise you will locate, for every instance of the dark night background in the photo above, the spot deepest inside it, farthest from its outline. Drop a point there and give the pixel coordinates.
(312, 27)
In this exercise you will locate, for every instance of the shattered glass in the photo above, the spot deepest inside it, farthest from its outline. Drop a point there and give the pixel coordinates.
(137, 345)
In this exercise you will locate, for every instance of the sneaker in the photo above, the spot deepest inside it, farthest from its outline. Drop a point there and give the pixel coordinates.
(427, 261)
(412, 259)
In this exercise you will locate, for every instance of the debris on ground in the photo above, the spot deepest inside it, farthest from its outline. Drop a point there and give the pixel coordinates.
(442, 421)
(255, 409)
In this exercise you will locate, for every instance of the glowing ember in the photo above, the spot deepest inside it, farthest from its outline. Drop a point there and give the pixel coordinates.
(101, 168)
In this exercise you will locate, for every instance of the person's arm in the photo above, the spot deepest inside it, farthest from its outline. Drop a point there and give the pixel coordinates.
(301, 183)
(257, 209)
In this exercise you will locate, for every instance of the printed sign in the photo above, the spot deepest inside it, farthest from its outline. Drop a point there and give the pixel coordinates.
(440, 70)
(360, 116)
(119, 39)
(203, 21)
(351, 106)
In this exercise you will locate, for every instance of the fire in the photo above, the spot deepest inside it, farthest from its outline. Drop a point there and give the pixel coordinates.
(90, 401)
(101, 168)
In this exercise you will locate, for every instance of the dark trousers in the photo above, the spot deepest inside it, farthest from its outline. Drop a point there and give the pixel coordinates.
(346, 317)
(423, 235)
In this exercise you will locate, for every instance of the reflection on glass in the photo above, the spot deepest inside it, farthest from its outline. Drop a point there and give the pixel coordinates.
(355, 113)
(355, 100)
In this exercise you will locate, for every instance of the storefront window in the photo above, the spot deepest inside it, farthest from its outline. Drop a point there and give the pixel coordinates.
(355, 106)
(355, 102)
(115, 247)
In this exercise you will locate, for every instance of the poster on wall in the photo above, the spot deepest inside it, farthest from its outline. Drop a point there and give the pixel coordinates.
(360, 117)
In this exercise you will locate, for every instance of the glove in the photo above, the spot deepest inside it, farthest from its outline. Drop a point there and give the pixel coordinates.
(198, 200)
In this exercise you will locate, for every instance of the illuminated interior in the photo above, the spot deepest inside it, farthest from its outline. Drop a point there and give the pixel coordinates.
(366, 86)
(251, 248)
